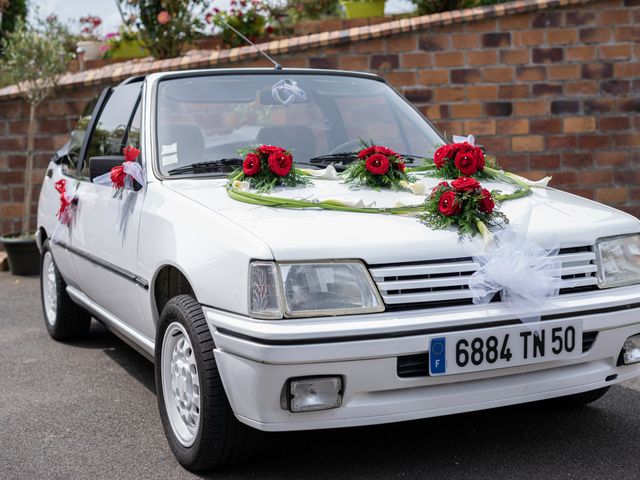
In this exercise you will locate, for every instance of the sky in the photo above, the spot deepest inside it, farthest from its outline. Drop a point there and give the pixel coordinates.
(107, 10)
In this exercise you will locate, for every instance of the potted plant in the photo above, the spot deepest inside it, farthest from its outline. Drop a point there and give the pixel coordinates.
(91, 42)
(33, 61)
(363, 8)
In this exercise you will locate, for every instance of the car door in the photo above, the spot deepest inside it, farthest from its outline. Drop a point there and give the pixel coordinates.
(105, 235)
(65, 168)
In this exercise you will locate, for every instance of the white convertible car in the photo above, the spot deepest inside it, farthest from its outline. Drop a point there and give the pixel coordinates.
(276, 319)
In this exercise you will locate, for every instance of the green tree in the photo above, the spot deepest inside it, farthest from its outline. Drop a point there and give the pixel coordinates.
(13, 11)
(33, 60)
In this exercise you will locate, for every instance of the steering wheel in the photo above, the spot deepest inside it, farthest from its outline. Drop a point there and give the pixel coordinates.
(346, 147)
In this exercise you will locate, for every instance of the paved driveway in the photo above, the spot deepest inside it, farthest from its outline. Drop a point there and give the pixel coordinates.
(88, 410)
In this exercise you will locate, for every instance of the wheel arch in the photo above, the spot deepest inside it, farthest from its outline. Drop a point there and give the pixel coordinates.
(41, 237)
(169, 281)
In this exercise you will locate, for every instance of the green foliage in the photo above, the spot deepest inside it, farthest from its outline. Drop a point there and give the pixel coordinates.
(425, 7)
(166, 26)
(312, 9)
(266, 180)
(249, 18)
(62, 31)
(357, 174)
(13, 12)
(466, 220)
(34, 60)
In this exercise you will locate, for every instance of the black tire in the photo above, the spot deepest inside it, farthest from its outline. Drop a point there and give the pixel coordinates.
(579, 399)
(70, 321)
(221, 439)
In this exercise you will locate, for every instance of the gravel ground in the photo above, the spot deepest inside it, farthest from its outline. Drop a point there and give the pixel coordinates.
(87, 410)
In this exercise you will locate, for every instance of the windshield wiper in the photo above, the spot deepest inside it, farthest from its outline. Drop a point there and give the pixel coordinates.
(343, 159)
(222, 164)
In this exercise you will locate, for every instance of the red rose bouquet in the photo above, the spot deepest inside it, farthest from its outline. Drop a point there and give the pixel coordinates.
(268, 166)
(463, 203)
(376, 167)
(455, 159)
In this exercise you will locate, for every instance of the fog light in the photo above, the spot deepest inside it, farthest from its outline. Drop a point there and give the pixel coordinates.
(308, 394)
(631, 350)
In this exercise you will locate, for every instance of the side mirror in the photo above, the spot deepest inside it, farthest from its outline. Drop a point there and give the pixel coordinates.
(101, 165)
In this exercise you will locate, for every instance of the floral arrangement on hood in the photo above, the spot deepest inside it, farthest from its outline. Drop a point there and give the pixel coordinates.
(377, 167)
(459, 159)
(267, 166)
(463, 203)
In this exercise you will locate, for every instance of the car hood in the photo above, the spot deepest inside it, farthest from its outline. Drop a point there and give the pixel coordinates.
(550, 218)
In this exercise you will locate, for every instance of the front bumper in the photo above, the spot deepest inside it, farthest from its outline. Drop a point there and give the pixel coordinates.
(257, 357)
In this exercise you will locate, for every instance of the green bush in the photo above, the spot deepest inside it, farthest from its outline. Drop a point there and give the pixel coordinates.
(14, 11)
(425, 7)
(313, 9)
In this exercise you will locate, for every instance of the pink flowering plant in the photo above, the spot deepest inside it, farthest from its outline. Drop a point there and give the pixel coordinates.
(90, 27)
(165, 27)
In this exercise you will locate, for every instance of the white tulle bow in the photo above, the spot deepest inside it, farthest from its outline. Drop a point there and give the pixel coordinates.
(523, 273)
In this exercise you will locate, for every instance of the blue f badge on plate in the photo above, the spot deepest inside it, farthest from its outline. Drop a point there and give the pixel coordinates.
(437, 351)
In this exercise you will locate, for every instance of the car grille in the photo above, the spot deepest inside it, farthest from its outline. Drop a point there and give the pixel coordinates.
(417, 365)
(439, 283)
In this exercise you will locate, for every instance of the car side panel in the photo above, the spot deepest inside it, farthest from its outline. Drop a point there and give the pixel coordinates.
(211, 251)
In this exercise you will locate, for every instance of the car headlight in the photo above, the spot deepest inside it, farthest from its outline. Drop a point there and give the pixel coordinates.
(618, 260)
(306, 289)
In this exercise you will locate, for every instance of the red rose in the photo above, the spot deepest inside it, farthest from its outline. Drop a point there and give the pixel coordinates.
(438, 187)
(280, 162)
(479, 156)
(448, 205)
(385, 151)
(118, 176)
(268, 149)
(486, 203)
(401, 166)
(465, 161)
(377, 164)
(441, 155)
(251, 164)
(464, 184)
(130, 153)
(365, 152)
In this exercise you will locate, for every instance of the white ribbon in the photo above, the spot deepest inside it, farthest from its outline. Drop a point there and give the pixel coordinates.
(329, 173)
(469, 139)
(133, 171)
(417, 188)
(522, 272)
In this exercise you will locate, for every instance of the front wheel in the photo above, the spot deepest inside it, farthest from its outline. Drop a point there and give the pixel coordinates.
(200, 426)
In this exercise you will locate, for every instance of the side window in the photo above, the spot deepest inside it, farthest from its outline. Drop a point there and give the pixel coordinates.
(108, 135)
(77, 137)
(133, 136)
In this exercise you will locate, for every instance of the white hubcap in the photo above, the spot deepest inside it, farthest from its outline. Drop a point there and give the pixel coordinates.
(49, 290)
(180, 384)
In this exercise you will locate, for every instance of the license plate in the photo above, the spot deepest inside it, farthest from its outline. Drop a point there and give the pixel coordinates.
(477, 350)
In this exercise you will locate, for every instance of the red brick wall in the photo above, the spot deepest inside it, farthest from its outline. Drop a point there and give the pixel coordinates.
(547, 92)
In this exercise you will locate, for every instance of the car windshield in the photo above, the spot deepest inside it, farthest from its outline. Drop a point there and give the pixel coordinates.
(207, 118)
